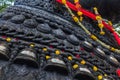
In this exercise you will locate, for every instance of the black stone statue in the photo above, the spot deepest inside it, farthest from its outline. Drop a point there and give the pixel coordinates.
(40, 41)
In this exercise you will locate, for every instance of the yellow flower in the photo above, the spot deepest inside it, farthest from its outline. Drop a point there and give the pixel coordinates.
(100, 77)
(93, 37)
(79, 13)
(75, 19)
(102, 33)
(95, 8)
(48, 57)
(110, 23)
(83, 62)
(95, 68)
(8, 39)
(45, 49)
(100, 25)
(69, 58)
(98, 18)
(57, 52)
(64, 1)
(75, 66)
(32, 45)
(112, 49)
(75, 1)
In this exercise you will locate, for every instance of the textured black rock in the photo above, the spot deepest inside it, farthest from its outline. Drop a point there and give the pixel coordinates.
(51, 38)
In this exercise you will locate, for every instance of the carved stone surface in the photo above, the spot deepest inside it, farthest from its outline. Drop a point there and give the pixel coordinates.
(47, 28)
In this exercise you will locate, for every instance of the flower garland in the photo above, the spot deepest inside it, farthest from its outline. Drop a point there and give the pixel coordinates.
(101, 23)
(77, 7)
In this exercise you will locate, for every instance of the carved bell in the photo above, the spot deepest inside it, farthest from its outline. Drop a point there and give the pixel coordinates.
(99, 52)
(87, 46)
(56, 64)
(4, 51)
(28, 57)
(84, 74)
(113, 61)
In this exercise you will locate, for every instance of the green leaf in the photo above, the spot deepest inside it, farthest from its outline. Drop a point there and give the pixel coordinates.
(4, 4)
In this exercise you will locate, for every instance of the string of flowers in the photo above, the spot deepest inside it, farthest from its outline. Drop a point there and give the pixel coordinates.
(76, 19)
(94, 17)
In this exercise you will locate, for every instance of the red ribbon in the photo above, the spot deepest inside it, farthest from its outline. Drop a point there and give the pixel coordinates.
(118, 72)
(93, 16)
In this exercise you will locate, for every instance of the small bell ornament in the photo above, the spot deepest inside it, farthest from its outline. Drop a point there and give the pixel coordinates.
(81, 72)
(28, 57)
(4, 51)
(87, 46)
(55, 63)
